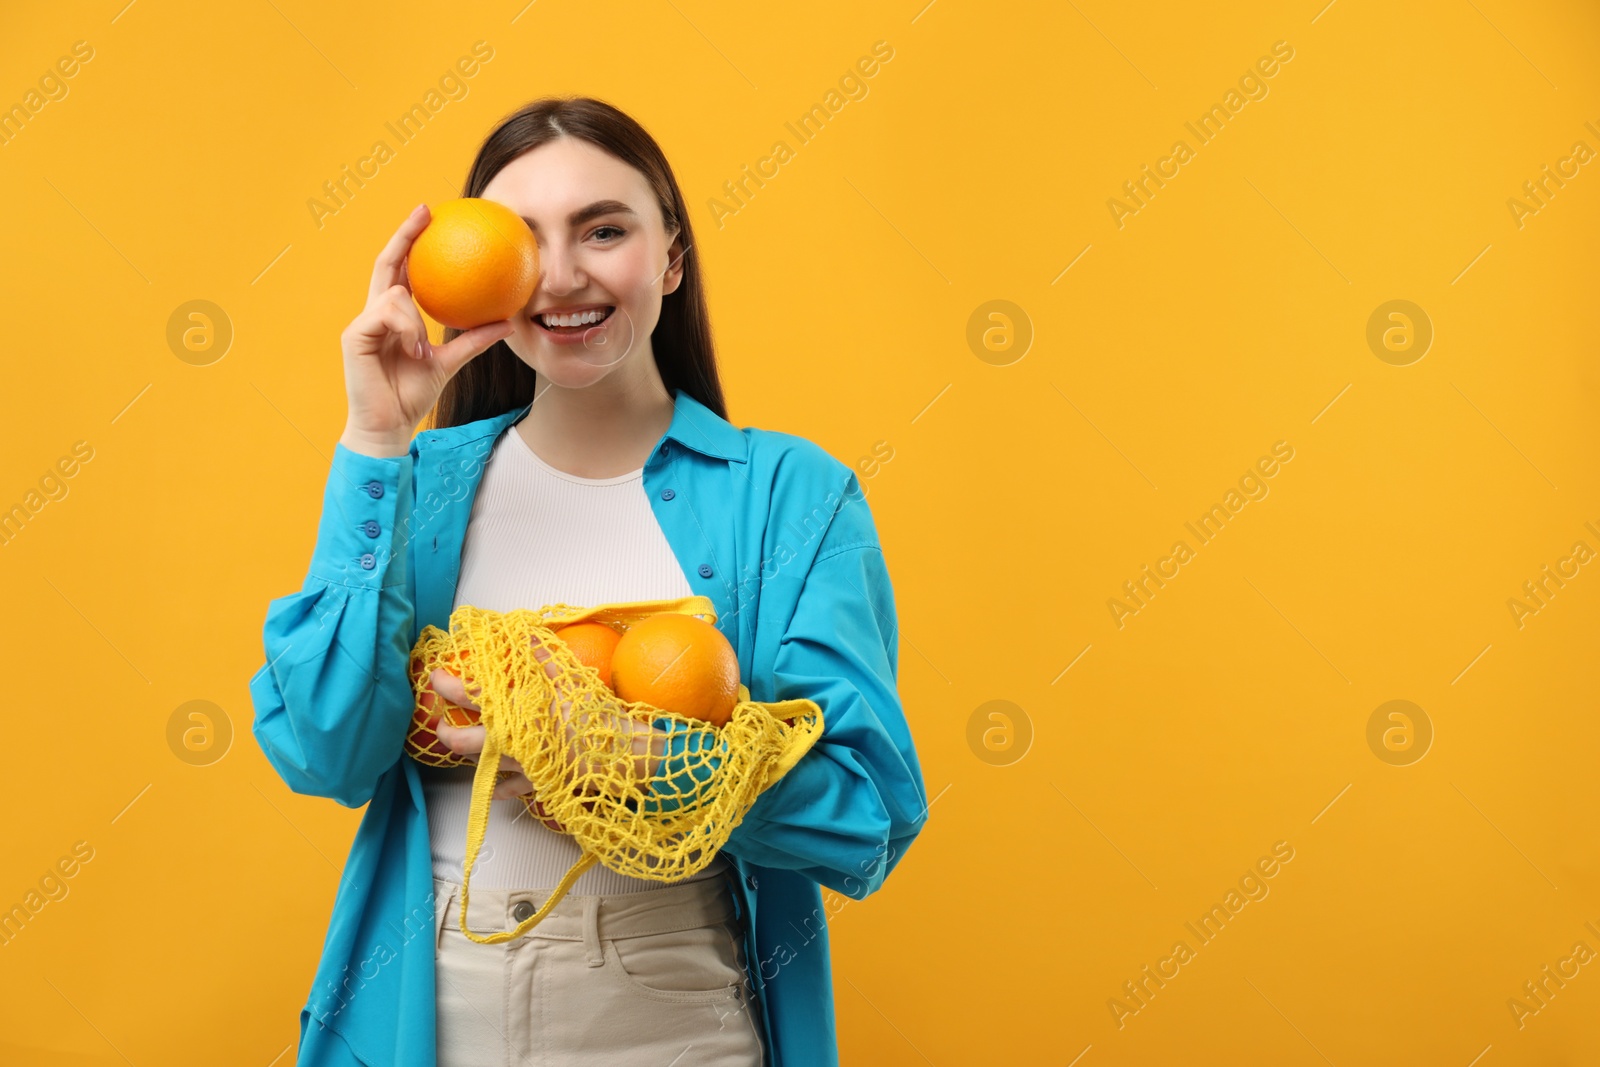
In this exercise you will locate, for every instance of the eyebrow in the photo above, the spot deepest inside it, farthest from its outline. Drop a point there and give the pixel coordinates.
(592, 211)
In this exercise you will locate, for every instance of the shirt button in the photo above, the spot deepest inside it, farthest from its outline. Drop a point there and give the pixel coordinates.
(705, 570)
(667, 494)
(368, 561)
(373, 489)
(665, 448)
(370, 528)
(523, 911)
(750, 880)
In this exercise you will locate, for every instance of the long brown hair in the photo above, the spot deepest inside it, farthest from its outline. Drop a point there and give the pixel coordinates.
(497, 381)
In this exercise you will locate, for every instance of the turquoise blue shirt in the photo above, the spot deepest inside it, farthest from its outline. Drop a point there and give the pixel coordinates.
(769, 526)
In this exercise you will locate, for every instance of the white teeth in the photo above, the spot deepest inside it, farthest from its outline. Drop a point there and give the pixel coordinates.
(583, 318)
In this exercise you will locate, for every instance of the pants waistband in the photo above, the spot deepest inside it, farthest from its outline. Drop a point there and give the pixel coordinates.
(578, 917)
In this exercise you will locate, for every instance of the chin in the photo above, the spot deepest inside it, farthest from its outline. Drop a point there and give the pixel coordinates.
(569, 372)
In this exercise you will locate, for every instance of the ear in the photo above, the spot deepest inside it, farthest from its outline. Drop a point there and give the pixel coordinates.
(673, 276)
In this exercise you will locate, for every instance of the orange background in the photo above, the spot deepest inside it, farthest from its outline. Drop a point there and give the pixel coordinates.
(1070, 840)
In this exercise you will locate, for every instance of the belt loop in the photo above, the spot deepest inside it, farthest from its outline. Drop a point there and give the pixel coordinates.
(730, 876)
(444, 910)
(591, 931)
(440, 890)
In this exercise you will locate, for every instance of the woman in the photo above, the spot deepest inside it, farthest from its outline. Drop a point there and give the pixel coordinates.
(583, 464)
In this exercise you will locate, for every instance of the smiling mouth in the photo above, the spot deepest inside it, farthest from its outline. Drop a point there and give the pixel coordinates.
(544, 322)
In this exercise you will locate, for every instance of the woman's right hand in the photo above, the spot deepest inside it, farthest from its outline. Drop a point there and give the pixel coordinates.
(468, 740)
(393, 375)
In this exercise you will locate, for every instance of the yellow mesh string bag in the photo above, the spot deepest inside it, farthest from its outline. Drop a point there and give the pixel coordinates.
(665, 826)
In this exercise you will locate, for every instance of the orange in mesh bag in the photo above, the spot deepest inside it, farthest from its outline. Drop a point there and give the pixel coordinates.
(583, 765)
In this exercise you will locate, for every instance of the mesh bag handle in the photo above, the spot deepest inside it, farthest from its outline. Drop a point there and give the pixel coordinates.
(663, 827)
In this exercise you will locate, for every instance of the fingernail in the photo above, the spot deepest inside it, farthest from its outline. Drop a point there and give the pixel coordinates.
(420, 353)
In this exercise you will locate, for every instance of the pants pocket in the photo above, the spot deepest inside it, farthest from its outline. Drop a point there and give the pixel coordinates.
(701, 965)
(578, 1015)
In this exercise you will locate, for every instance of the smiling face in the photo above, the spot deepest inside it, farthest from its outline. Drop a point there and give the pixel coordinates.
(604, 254)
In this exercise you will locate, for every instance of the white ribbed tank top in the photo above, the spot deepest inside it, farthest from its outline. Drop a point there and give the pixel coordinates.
(541, 536)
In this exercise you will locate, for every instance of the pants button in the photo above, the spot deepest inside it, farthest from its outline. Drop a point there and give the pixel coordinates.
(523, 911)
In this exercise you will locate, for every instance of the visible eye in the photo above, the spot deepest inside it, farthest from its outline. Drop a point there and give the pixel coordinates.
(619, 231)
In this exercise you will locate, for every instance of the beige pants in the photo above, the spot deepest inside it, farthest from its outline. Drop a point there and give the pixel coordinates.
(653, 978)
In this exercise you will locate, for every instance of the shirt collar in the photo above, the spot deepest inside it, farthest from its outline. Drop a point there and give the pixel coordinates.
(698, 427)
(694, 426)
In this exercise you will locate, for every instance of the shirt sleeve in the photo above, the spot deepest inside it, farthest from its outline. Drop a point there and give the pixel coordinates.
(333, 702)
(845, 814)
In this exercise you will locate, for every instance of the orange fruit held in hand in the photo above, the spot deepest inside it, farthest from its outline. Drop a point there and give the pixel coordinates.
(594, 643)
(476, 262)
(680, 664)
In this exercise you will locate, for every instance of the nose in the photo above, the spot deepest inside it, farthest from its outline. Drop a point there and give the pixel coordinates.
(559, 270)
